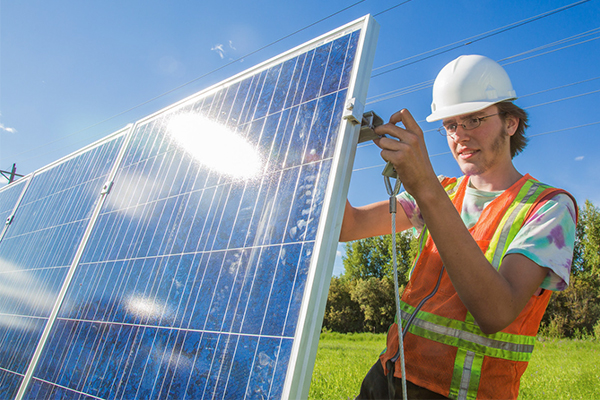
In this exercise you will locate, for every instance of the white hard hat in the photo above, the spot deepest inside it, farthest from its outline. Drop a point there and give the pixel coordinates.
(469, 84)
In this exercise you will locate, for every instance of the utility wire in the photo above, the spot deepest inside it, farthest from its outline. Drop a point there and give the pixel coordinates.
(447, 152)
(563, 99)
(568, 39)
(196, 79)
(525, 108)
(552, 51)
(427, 84)
(565, 129)
(391, 8)
(479, 37)
(559, 87)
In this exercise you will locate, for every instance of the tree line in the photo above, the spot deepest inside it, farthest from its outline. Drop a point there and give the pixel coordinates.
(362, 298)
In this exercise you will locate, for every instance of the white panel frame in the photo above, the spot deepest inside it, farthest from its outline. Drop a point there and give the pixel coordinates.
(306, 340)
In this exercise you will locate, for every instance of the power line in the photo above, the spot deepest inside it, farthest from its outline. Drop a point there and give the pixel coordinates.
(565, 129)
(427, 84)
(400, 92)
(568, 39)
(528, 107)
(448, 152)
(552, 51)
(198, 78)
(563, 99)
(478, 38)
(560, 87)
(391, 8)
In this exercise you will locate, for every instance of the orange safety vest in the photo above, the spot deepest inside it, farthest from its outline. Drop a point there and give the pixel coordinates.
(445, 351)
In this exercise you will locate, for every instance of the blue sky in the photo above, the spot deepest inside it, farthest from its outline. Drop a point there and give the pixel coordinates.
(72, 72)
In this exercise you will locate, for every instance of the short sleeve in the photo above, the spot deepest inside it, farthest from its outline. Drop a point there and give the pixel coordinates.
(411, 208)
(548, 239)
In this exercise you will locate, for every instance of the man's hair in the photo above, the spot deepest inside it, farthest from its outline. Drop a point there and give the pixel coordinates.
(518, 141)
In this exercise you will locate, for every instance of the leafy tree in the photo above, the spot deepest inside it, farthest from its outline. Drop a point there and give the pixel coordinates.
(577, 309)
(372, 257)
(376, 299)
(362, 299)
(342, 313)
(590, 239)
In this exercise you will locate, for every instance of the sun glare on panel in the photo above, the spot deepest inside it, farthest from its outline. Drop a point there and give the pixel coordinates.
(215, 145)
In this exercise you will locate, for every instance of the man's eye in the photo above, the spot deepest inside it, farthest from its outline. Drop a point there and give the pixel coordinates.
(473, 121)
(451, 127)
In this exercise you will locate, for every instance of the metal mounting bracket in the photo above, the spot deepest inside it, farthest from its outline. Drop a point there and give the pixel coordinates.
(370, 121)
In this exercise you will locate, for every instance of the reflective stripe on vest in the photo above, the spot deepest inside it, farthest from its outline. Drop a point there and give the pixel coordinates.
(468, 336)
(513, 221)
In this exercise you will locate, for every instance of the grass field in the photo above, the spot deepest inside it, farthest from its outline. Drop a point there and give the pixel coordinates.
(559, 369)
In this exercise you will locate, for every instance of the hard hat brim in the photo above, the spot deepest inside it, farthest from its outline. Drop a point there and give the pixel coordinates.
(463, 108)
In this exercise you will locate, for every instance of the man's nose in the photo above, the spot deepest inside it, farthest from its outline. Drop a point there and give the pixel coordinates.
(460, 134)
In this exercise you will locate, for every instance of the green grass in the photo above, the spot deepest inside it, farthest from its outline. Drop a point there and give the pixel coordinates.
(563, 369)
(559, 368)
(342, 362)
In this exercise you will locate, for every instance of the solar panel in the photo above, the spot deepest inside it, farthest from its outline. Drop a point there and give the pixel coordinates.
(190, 256)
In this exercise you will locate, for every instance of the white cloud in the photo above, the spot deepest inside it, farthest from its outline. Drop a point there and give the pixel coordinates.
(579, 158)
(219, 49)
(7, 129)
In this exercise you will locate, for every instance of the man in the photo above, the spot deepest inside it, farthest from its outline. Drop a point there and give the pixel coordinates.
(494, 243)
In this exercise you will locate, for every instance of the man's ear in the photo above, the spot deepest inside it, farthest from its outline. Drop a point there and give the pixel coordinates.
(512, 123)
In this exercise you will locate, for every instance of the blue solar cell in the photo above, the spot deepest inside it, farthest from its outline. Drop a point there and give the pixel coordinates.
(269, 86)
(9, 383)
(295, 80)
(297, 289)
(317, 70)
(305, 70)
(283, 84)
(333, 72)
(349, 60)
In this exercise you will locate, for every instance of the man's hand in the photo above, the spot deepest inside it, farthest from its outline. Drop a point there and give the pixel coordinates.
(408, 154)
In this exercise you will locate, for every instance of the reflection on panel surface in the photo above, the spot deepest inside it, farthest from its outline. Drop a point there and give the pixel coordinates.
(193, 277)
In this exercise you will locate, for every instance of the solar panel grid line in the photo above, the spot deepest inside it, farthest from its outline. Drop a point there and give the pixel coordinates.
(152, 346)
(165, 209)
(137, 229)
(177, 334)
(176, 366)
(303, 77)
(115, 138)
(66, 390)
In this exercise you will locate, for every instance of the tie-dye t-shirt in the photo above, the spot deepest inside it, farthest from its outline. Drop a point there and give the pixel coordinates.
(547, 238)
